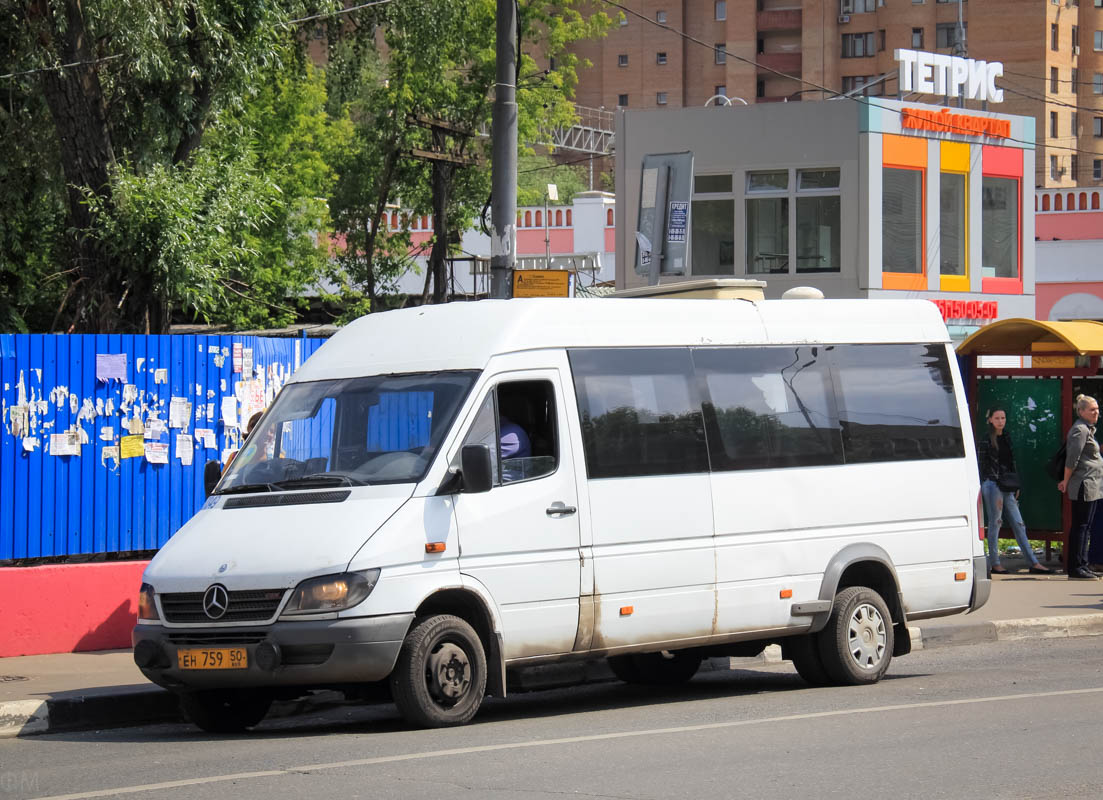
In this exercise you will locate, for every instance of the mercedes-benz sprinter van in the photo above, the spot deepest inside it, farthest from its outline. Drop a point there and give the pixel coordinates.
(443, 494)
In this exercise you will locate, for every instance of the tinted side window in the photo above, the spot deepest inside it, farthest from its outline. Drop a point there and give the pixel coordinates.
(640, 412)
(896, 402)
(768, 407)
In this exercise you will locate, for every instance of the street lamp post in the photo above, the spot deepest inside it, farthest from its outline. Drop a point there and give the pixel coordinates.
(551, 194)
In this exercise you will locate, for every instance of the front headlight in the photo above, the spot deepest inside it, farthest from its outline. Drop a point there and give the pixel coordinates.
(332, 592)
(147, 606)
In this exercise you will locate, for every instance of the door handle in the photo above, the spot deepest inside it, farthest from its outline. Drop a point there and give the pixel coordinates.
(558, 509)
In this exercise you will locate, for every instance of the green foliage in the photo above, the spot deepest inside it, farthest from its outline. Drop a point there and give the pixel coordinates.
(535, 172)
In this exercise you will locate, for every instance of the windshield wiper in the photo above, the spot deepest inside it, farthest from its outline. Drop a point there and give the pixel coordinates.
(320, 479)
(247, 487)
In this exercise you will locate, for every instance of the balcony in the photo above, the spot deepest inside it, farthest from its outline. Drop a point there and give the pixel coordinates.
(789, 63)
(786, 19)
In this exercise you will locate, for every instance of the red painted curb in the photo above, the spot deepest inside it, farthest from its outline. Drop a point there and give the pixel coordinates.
(68, 608)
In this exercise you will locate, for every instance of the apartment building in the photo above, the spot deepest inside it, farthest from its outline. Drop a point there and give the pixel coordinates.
(1052, 51)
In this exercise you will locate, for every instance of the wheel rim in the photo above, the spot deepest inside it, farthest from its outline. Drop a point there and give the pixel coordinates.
(867, 636)
(448, 674)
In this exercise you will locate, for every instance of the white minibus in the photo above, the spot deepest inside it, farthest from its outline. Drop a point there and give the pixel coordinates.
(444, 494)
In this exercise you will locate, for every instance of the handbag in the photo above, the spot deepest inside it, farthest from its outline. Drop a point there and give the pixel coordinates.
(1056, 465)
(1009, 482)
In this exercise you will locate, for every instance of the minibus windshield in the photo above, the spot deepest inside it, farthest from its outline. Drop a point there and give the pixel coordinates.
(348, 432)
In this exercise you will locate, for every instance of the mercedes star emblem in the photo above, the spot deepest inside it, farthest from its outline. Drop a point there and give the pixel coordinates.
(215, 601)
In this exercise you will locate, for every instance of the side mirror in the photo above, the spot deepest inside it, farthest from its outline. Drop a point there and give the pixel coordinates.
(478, 470)
(212, 471)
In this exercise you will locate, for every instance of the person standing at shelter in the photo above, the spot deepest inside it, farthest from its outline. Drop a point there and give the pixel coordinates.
(1084, 483)
(1000, 489)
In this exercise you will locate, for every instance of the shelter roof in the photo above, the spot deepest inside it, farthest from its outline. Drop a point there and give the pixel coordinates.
(1020, 336)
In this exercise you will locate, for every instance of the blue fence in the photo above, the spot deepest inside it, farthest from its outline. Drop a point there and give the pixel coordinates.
(103, 438)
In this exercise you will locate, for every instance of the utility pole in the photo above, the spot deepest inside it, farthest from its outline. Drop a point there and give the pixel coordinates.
(503, 209)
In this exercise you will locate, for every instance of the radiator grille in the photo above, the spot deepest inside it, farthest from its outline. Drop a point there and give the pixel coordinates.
(203, 638)
(245, 606)
(289, 499)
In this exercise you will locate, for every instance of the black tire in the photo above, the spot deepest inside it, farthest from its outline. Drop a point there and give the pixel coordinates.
(225, 710)
(440, 677)
(856, 644)
(804, 652)
(656, 669)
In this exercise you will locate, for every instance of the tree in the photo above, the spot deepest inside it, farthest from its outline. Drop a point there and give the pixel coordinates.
(535, 172)
(130, 90)
(420, 60)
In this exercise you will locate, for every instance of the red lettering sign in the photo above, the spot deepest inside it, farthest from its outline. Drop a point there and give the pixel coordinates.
(967, 309)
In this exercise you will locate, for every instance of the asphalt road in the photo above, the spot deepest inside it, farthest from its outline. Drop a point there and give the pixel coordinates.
(1021, 719)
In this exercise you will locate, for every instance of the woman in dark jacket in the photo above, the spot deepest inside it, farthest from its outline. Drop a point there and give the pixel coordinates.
(996, 460)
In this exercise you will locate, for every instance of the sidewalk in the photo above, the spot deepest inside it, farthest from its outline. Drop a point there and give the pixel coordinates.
(70, 691)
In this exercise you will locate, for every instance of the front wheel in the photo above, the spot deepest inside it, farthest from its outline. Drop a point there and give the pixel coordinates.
(440, 677)
(856, 645)
(225, 710)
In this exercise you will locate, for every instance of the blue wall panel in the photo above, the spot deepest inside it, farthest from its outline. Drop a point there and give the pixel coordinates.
(56, 505)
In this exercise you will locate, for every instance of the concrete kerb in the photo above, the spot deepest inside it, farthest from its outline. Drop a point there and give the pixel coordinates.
(148, 705)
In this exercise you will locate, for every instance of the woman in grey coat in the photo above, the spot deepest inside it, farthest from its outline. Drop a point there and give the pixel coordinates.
(1084, 484)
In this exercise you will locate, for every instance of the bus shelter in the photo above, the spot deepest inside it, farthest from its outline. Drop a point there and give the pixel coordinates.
(1038, 400)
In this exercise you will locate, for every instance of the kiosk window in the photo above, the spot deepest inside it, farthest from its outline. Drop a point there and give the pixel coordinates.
(640, 412)
(769, 407)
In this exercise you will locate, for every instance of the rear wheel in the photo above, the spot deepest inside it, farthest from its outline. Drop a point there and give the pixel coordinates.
(440, 677)
(856, 645)
(657, 669)
(225, 710)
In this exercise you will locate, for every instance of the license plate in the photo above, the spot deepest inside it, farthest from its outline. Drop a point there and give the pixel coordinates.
(213, 658)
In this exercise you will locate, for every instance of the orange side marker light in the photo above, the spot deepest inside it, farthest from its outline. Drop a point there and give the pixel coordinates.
(959, 576)
(785, 594)
(626, 611)
(435, 547)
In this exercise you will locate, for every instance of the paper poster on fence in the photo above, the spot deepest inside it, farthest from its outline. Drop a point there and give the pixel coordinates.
(64, 444)
(132, 446)
(179, 412)
(184, 449)
(157, 452)
(155, 428)
(111, 366)
(205, 437)
(229, 412)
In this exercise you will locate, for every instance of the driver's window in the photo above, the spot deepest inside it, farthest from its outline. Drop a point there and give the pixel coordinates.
(517, 423)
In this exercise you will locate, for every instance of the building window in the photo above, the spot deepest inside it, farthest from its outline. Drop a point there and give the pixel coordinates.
(917, 37)
(622, 100)
(760, 88)
(1097, 127)
(947, 34)
(1097, 164)
(1075, 80)
(1074, 167)
(1097, 83)
(660, 17)
(1000, 227)
(623, 20)
(952, 223)
(722, 89)
(1098, 44)
(768, 223)
(660, 98)
(858, 6)
(713, 221)
(902, 220)
(1075, 39)
(851, 83)
(660, 58)
(1053, 124)
(720, 54)
(881, 40)
(1053, 79)
(857, 45)
(721, 7)
(818, 221)
(622, 60)
(1053, 174)
(1074, 125)
(1054, 33)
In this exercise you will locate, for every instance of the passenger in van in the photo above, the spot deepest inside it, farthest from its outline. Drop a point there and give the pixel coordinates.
(1084, 483)
(997, 462)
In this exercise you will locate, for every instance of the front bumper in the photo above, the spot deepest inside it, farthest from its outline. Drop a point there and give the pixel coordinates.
(982, 583)
(308, 653)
